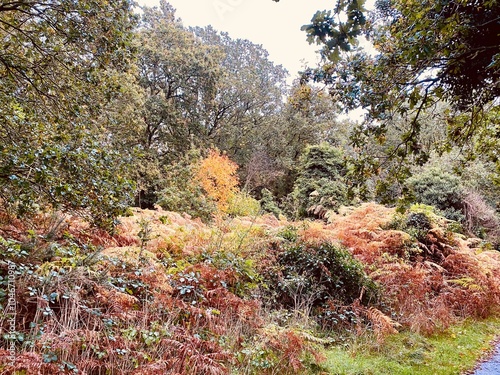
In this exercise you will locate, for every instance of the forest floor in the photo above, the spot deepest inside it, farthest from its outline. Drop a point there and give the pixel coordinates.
(167, 294)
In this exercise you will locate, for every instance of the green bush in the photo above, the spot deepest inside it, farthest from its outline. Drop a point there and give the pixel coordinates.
(446, 192)
(268, 203)
(83, 177)
(416, 221)
(321, 179)
(435, 187)
(289, 233)
(182, 193)
(309, 276)
(242, 204)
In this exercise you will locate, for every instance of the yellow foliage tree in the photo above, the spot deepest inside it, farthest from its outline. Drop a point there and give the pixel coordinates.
(217, 176)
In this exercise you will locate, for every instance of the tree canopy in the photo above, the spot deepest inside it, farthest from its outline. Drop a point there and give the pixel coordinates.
(426, 52)
(99, 105)
(60, 66)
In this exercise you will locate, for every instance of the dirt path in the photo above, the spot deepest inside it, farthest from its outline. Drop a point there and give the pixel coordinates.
(491, 366)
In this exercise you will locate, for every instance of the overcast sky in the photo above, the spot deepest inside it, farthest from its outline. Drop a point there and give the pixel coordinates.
(274, 25)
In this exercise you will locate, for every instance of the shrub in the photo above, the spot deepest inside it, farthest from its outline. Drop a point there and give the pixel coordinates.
(217, 176)
(268, 204)
(182, 192)
(417, 224)
(446, 192)
(203, 187)
(432, 234)
(242, 204)
(313, 277)
(78, 174)
(435, 187)
(416, 220)
(481, 219)
(321, 179)
(479, 176)
(289, 233)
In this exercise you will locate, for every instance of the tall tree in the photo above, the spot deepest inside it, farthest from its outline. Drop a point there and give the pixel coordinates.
(202, 88)
(250, 89)
(59, 68)
(179, 75)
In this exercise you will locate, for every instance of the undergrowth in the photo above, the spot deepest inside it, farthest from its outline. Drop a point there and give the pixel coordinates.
(167, 294)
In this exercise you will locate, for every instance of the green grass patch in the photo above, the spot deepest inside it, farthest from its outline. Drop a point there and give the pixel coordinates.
(452, 352)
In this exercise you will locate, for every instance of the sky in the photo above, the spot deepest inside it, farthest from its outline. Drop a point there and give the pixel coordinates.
(276, 26)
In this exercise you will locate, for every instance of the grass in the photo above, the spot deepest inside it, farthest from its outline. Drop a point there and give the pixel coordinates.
(453, 352)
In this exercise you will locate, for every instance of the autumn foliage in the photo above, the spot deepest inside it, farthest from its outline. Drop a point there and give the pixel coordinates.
(239, 295)
(431, 277)
(217, 176)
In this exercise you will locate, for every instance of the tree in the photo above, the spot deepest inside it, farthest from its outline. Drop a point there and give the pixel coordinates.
(427, 52)
(307, 118)
(249, 91)
(438, 188)
(217, 176)
(447, 49)
(60, 63)
(183, 191)
(179, 75)
(202, 89)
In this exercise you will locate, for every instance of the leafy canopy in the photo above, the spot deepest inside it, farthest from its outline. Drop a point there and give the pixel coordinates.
(426, 52)
(60, 68)
(444, 49)
(201, 89)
